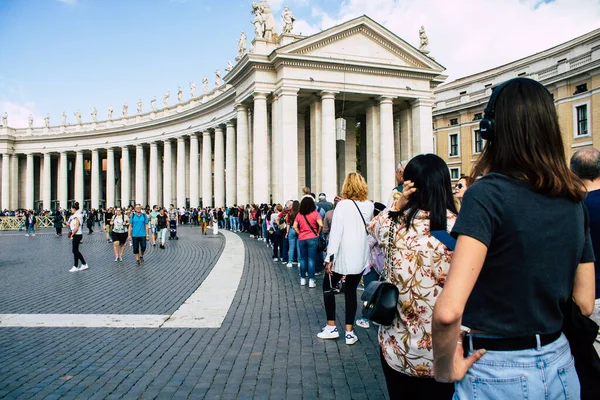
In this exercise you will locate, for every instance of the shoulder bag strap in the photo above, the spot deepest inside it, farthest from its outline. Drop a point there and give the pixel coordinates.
(310, 226)
(388, 259)
(445, 238)
(361, 217)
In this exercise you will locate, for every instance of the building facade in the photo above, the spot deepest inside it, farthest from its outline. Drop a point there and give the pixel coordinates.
(284, 117)
(570, 71)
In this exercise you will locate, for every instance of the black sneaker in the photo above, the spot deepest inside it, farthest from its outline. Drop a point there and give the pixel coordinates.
(162, 246)
(137, 262)
(142, 260)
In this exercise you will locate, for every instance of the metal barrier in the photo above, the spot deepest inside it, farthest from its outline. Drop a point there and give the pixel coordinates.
(13, 223)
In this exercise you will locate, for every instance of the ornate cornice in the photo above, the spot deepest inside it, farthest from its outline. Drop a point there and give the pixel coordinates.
(354, 69)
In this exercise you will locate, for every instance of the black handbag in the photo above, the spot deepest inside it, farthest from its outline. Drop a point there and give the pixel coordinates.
(581, 332)
(381, 297)
(322, 246)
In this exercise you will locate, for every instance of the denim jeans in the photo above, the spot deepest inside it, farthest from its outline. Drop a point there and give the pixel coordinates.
(286, 249)
(546, 372)
(31, 229)
(308, 255)
(293, 253)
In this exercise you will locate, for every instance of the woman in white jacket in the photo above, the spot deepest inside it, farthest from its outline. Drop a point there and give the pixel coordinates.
(347, 253)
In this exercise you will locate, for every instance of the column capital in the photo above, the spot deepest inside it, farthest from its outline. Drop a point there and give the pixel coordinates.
(230, 124)
(287, 91)
(110, 149)
(218, 128)
(206, 133)
(154, 144)
(386, 100)
(139, 145)
(240, 107)
(328, 95)
(422, 101)
(181, 139)
(260, 95)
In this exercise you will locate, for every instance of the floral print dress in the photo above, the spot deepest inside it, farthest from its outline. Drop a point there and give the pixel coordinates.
(418, 265)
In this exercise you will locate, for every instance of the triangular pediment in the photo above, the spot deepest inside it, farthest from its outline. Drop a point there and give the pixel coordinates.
(361, 40)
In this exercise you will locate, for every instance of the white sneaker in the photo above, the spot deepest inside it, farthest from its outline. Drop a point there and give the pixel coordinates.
(363, 323)
(329, 333)
(74, 269)
(83, 267)
(311, 283)
(27, 234)
(302, 281)
(120, 258)
(289, 265)
(117, 259)
(351, 338)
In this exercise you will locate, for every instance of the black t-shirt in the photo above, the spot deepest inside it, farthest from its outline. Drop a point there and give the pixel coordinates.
(535, 244)
(592, 202)
(161, 221)
(107, 217)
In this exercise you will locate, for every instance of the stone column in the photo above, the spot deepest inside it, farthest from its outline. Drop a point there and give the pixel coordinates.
(350, 165)
(79, 176)
(194, 189)
(261, 167)
(373, 147)
(180, 172)
(219, 167)
(14, 183)
(95, 179)
(47, 193)
(5, 182)
(397, 155)
(315, 145)
(139, 175)
(110, 177)
(243, 164)
(387, 154)
(276, 160)
(328, 160)
(406, 134)
(125, 180)
(167, 188)
(206, 169)
(63, 195)
(231, 166)
(301, 154)
(29, 182)
(288, 149)
(153, 175)
(422, 127)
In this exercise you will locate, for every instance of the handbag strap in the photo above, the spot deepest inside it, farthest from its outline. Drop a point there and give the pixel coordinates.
(388, 259)
(310, 226)
(361, 216)
(445, 238)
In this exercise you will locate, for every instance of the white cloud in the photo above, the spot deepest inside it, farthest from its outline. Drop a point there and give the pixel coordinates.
(18, 114)
(470, 36)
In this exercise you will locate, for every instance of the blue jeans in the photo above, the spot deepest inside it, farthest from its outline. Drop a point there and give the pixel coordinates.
(31, 229)
(234, 223)
(308, 255)
(293, 253)
(546, 372)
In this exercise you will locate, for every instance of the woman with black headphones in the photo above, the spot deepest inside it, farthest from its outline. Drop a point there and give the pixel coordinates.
(523, 251)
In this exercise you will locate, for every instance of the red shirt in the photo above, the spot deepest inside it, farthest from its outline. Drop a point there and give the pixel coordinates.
(305, 231)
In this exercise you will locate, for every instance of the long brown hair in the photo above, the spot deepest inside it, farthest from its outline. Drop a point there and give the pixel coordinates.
(527, 142)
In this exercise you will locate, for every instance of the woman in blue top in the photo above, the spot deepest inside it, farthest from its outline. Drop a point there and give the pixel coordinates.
(523, 250)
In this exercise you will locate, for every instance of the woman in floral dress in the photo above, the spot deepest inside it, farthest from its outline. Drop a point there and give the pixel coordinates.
(417, 263)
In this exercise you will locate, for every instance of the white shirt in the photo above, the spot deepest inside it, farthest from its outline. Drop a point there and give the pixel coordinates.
(348, 238)
(72, 222)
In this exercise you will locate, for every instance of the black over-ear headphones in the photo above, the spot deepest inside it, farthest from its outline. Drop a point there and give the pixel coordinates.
(487, 126)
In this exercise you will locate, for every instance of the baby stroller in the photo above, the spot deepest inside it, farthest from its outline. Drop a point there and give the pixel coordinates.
(173, 230)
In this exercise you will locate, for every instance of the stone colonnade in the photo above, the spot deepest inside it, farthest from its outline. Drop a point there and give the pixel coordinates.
(267, 153)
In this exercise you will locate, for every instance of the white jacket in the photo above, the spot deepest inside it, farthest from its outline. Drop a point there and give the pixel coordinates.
(348, 238)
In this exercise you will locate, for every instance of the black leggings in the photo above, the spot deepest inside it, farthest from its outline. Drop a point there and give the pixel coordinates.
(76, 254)
(402, 386)
(277, 246)
(351, 284)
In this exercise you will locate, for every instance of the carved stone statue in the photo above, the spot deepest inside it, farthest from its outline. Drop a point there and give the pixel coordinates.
(153, 103)
(125, 108)
(94, 115)
(218, 81)
(47, 120)
(166, 99)
(264, 23)
(179, 95)
(205, 85)
(5, 119)
(139, 106)
(193, 89)
(110, 111)
(63, 119)
(229, 67)
(78, 117)
(288, 20)
(424, 40)
(242, 45)
(30, 121)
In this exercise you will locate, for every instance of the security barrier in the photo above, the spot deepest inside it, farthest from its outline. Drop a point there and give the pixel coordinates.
(13, 223)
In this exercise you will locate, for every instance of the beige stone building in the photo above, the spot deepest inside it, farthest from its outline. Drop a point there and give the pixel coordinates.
(570, 71)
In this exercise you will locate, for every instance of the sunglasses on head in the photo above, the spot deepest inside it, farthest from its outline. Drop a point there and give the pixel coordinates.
(459, 185)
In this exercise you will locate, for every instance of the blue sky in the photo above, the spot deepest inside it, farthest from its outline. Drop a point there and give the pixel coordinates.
(64, 55)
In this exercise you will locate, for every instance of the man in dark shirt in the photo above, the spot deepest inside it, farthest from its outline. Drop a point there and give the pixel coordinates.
(585, 163)
(108, 214)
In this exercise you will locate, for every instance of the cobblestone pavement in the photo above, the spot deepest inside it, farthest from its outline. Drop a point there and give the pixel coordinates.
(266, 348)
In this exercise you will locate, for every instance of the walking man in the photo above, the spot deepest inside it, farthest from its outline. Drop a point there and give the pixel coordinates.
(139, 233)
(153, 221)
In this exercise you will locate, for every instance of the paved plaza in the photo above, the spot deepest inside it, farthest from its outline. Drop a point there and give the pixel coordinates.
(265, 347)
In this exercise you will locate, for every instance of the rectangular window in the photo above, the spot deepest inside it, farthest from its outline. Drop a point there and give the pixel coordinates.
(582, 120)
(477, 116)
(580, 88)
(478, 141)
(454, 121)
(453, 145)
(454, 173)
